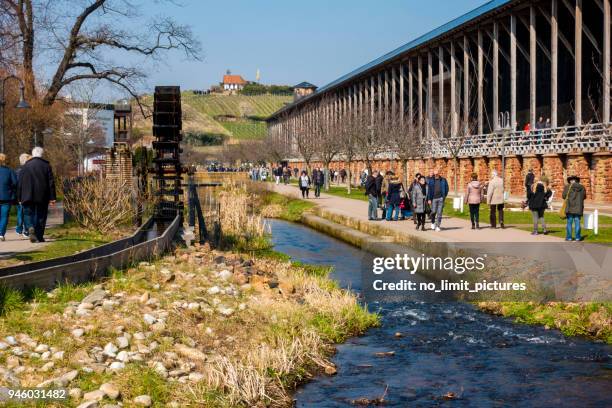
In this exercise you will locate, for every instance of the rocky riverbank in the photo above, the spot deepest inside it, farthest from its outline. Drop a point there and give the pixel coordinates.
(197, 328)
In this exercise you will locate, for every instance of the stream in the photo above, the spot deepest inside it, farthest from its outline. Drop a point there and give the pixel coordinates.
(450, 354)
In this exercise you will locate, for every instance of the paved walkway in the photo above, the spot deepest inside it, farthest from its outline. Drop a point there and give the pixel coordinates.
(453, 229)
(15, 244)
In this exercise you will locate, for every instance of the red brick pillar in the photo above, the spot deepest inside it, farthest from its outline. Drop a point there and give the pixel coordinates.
(481, 167)
(465, 172)
(532, 162)
(578, 165)
(553, 170)
(452, 169)
(495, 163)
(514, 176)
(602, 177)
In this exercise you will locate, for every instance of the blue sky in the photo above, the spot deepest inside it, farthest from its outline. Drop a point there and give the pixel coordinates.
(292, 41)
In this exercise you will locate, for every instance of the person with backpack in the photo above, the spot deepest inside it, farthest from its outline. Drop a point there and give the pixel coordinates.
(393, 198)
(538, 202)
(574, 195)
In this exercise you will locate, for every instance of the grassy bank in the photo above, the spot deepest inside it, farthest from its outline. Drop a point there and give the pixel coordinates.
(592, 320)
(196, 328)
(275, 205)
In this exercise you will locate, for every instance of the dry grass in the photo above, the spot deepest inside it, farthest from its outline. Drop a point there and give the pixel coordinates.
(237, 216)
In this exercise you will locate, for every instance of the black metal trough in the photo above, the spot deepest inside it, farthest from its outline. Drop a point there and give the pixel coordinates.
(93, 263)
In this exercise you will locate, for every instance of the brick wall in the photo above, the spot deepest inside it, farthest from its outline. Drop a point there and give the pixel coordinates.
(595, 171)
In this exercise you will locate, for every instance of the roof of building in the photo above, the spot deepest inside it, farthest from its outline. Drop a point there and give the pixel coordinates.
(234, 79)
(305, 85)
(417, 42)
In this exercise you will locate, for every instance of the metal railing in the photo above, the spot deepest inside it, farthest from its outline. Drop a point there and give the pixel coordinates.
(584, 139)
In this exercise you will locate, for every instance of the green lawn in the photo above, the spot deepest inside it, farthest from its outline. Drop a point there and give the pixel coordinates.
(66, 240)
(523, 220)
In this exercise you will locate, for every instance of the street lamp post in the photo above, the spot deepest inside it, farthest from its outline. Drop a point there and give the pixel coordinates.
(22, 104)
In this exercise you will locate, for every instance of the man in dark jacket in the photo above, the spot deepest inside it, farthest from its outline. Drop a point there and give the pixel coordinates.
(35, 190)
(529, 181)
(372, 193)
(575, 194)
(318, 179)
(438, 190)
(8, 182)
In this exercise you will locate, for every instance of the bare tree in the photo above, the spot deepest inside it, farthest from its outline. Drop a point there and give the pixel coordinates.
(453, 144)
(370, 136)
(325, 133)
(82, 129)
(348, 128)
(304, 140)
(77, 37)
(404, 140)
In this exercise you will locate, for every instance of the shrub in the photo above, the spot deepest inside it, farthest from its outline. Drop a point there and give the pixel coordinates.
(99, 203)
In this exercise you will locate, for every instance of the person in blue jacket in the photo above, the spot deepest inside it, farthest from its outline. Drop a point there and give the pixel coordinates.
(20, 227)
(8, 185)
(436, 194)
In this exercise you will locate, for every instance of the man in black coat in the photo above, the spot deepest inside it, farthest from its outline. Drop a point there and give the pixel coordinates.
(35, 190)
(372, 191)
(318, 178)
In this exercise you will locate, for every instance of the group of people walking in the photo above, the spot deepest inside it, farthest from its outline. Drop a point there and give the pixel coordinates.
(31, 187)
(317, 180)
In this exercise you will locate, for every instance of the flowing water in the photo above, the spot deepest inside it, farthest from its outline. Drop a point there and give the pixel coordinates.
(450, 353)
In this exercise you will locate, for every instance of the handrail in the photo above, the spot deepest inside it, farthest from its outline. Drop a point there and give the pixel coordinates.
(91, 264)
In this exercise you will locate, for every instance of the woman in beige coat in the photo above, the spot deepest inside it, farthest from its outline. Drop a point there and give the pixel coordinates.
(495, 199)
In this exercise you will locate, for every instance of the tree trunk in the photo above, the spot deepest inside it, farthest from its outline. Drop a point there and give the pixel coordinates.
(348, 175)
(326, 176)
(456, 160)
(407, 175)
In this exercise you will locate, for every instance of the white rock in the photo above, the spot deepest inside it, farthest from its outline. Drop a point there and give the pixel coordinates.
(96, 395)
(213, 290)
(139, 336)
(58, 355)
(193, 306)
(196, 377)
(10, 340)
(82, 312)
(3, 345)
(111, 390)
(225, 274)
(160, 369)
(149, 319)
(110, 350)
(143, 400)
(78, 333)
(226, 311)
(47, 366)
(12, 362)
(75, 393)
(116, 366)
(123, 356)
(46, 355)
(85, 305)
(41, 348)
(122, 342)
